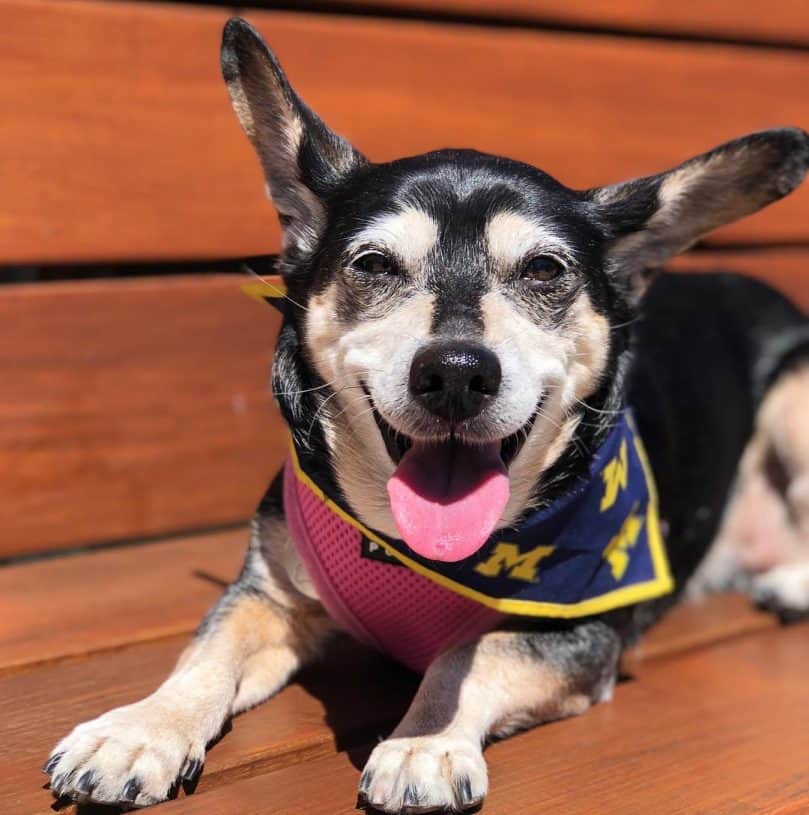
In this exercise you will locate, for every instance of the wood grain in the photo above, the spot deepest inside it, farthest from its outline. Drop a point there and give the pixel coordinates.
(105, 600)
(720, 731)
(353, 697)
(784, 21)
(132, 407)
(693, 625)
(122, 144)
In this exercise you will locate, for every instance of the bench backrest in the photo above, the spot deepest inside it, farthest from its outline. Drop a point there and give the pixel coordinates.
(138, 407)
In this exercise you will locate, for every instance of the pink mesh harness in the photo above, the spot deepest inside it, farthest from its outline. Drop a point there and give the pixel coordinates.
(389, 607)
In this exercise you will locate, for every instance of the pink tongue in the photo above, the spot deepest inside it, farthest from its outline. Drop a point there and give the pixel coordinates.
(447, 498)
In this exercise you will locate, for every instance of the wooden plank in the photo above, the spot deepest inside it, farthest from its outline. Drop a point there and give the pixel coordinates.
(160, 170)
(785, 21)
(137, 407)
(114, 597)
(722, 731)
(698, 624)
(786, 269)
(353, 697)
(132, 408)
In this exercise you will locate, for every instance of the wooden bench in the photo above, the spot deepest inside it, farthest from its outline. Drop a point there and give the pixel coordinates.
(137, 432)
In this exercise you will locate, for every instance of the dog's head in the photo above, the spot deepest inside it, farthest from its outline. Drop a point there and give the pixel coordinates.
(457, 313)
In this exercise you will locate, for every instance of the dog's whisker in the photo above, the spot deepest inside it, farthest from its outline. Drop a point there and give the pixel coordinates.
(325, 403)
(600, 411)
(283, 296)
(303, 390)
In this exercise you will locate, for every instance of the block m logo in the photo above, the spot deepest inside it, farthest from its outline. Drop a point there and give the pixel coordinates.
(506, 557)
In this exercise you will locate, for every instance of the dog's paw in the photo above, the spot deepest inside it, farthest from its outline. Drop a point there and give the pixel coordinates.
(784, 591)
(132, 756)
(424, 774)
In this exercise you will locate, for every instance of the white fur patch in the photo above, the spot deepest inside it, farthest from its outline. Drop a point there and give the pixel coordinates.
(445, 772)
(377, 353)
(409, 234)
(512, 238)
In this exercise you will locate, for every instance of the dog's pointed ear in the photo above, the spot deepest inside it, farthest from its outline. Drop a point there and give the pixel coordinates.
(651, 219)
(303, 160)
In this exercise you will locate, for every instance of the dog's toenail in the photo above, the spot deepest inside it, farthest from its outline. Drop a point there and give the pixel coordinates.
(131, 790)
(86, 782)
(50, 765)
(190, 769)
(463, 790)
(411, 797)
(365, 780)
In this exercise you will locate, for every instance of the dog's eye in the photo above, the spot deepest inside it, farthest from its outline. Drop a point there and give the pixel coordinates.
(374, 263)
(542, 269)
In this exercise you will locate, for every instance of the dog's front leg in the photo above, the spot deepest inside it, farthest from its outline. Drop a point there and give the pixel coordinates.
(503, 682)
(258, 634)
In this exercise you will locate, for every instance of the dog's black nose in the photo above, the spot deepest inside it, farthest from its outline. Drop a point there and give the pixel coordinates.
(454, 380)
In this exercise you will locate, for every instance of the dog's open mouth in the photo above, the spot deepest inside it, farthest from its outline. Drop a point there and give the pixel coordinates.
(447, 496)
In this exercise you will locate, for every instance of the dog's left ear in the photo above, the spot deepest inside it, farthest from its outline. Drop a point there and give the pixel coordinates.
(303, 160)
(651, 219)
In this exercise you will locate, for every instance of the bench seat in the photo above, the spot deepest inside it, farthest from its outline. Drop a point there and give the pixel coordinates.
(716, 693)
(135, 416)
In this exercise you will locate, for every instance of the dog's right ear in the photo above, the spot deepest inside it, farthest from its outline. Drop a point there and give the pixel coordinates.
(303, 160)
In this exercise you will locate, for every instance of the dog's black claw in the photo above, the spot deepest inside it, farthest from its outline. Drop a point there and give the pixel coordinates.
(131, 790)
(362, 801)
(190, 769)
(365, 781)
(463, 793)
(50, 765)
(59, 785)
(86, 782)
(411, 797)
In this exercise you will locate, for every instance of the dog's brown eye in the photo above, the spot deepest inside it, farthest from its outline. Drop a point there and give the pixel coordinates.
(374, 263)
(542, 269)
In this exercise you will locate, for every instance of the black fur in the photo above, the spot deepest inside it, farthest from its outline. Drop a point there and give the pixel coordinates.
(693, 362)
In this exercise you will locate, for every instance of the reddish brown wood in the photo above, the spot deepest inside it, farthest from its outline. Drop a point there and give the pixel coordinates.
(353, 697)
(693, 625)
(132, 408)
(785, 21)
(720, 731)
(104, 600)
(122, 143)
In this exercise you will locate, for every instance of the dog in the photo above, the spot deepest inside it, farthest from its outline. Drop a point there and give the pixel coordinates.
(473, 354)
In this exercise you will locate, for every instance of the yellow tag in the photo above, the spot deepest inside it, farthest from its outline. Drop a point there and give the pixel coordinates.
(267, 287)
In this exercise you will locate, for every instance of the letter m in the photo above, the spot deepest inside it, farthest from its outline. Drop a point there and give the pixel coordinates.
(506, 557)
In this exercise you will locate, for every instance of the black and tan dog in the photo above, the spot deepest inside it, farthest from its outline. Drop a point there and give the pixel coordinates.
(459, 318)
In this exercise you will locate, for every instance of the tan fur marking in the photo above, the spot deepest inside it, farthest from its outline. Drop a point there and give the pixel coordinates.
(377, 352)
(487, 688)
(410, 234)
(512, 238)
(565, 365)
(486, 695)
(247, 650)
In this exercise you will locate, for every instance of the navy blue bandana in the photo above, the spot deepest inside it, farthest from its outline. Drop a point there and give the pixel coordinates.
(595, 549)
